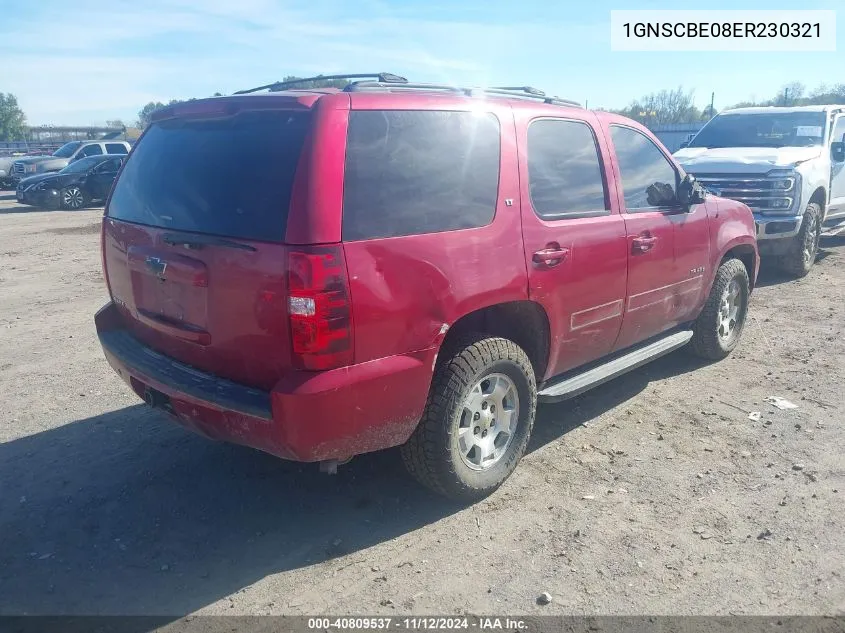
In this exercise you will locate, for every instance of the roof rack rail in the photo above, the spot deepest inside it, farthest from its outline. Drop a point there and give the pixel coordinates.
(517, 92)
(385, 78)
(528, 92)
(526, 89)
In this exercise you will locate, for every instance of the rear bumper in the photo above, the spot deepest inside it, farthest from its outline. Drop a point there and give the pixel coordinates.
(307, 416)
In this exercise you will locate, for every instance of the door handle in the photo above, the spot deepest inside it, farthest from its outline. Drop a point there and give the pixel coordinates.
(643, 244)
(552, 255)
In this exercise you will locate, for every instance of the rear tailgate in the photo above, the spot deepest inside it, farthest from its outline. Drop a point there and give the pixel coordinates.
(193, 240)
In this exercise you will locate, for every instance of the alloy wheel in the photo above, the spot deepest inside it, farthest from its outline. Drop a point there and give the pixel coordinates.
(488, 421)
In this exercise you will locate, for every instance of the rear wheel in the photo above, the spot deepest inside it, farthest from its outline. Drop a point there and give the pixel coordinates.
(477, 421)
(717, 330)
(801, 256)
(72, 198)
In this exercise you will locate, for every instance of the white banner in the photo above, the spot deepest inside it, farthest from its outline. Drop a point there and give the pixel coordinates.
(717, 30)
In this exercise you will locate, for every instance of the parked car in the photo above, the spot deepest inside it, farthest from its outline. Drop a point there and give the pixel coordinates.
(6, 181)
(787, 164)
(66, 154)
(397, 264)
(74, 187)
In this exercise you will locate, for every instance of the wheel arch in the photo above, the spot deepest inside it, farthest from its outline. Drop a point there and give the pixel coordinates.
(747, 254)
(820, 198)
(524, 322)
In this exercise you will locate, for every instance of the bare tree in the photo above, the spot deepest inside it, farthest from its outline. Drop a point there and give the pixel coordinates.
(792, 93)
(665, 106)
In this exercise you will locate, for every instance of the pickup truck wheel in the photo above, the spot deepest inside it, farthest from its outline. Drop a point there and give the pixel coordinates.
(717, 330)
(477, 420)
(72, 198)
(801, 256)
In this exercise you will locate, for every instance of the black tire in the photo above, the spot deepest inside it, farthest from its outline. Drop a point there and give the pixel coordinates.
(801, 256)
(707, 340)
(73, 198)
(432, 455)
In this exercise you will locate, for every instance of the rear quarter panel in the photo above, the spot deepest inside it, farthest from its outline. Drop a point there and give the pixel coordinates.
(407, 291)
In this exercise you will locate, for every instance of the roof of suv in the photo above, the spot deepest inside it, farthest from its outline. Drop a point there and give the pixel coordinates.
(784, 109)
(306, 99)
(98, 141)
(388, 83)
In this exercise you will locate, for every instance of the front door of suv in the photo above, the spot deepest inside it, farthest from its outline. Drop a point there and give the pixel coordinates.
(668, 243)
(573, 236)
(836, 206)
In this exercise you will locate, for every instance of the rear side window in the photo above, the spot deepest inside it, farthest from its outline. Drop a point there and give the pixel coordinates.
(115, 148)
(111, 166)
(91, 150)
(414, 172)
(648, 178)
(564, 173)
(224, 176)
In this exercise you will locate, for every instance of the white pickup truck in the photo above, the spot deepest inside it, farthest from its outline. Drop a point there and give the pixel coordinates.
(787, 164)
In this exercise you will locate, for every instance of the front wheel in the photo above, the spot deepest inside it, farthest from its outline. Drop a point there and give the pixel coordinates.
(717, 330)
(477, 420)
(72, 198)
(801, 256)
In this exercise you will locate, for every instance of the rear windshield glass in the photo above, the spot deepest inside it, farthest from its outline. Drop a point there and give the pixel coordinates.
(223, 176)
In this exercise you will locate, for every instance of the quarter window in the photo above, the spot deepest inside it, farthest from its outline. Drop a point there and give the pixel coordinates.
(91, 150)
(415, 172)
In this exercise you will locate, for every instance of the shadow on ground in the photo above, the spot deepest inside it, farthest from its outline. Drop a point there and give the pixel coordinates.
(25, 208)
(771, 275)
(127, 513)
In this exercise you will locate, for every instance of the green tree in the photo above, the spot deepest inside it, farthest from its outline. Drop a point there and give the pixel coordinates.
(146, 113)
(115, 123)
(12, 118)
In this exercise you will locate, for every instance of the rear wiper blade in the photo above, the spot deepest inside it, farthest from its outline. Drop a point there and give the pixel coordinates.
(199, 241)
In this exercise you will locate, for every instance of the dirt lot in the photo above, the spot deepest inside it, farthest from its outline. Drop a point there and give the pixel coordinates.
(653, 494)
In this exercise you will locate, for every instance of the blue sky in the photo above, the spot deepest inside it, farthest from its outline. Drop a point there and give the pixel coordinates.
(80, 62)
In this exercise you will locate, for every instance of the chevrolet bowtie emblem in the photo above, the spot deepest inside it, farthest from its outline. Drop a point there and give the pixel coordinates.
(157, 266)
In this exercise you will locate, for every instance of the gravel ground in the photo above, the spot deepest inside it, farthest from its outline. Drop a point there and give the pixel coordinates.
(653, 494)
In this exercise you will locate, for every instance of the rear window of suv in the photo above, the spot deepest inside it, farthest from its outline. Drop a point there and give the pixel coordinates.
(224, 176)
(415, 172)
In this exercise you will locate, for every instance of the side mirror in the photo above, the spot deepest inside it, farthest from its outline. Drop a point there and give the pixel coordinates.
(690, 191)
(837, 152)
(684, 144)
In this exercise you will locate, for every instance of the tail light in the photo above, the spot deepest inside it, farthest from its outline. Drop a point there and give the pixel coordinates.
(319, 308)
(103, 254)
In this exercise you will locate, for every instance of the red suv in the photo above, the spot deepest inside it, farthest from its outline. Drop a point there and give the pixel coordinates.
(320, 273)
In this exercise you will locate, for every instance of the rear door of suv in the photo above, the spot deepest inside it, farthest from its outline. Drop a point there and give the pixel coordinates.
(574, 237)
